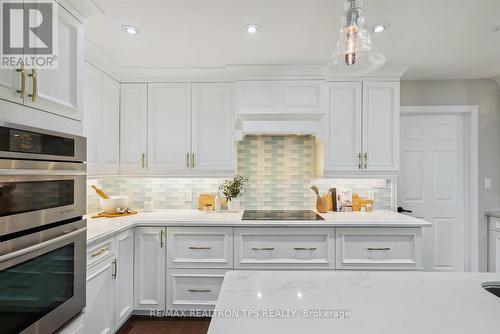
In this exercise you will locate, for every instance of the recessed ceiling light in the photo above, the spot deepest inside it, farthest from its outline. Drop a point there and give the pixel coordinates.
(252, 28)
(130, 29)
(381, 27)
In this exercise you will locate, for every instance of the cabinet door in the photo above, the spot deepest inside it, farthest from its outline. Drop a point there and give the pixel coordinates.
(344, 144)
(99, 313)
(59, 91)
(494, 252)
(213, 118)
(92, 120)
(124, 283)
(169, 126)
(133, 135)
(10, 82)
(74, 327)
(110, 145)
(381, 125)
(149, 269)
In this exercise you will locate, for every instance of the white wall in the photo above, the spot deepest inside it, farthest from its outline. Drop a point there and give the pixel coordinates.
(485, 94)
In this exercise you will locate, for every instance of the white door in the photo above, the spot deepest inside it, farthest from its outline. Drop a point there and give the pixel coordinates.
(381, 126)
(10, 83)
(110, 145)
(60, 91)
(133, 127)
(169, 127)
(99, 312)
(213, 146)
(92, 120)
(344, 146)
(149, 268)
(124, 283)
(431, 185)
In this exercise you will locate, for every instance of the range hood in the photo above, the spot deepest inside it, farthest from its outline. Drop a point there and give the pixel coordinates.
(280, 124)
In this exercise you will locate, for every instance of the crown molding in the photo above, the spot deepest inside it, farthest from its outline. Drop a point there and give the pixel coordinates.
(100, 59)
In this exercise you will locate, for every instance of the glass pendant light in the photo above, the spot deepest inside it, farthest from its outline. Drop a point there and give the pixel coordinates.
(355, 53)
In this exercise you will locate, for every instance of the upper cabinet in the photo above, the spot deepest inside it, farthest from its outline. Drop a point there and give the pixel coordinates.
(364, 127)
(57, 91)
(101, 121)
(189, 129)
(279, 97)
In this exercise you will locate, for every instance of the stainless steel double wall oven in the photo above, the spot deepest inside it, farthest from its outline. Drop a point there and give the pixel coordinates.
(42, 230)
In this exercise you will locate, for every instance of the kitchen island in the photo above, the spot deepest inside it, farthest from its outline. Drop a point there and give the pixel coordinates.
(268, 302)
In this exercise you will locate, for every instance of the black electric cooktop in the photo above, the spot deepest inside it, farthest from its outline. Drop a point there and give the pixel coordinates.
(281, 215)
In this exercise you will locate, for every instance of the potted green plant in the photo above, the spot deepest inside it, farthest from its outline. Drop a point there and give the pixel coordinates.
(232, 189)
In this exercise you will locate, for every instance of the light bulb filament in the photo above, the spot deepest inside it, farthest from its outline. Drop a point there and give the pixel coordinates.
(350, 49)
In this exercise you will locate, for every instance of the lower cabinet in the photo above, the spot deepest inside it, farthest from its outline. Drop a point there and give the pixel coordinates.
(76, 326)
(149, 269)
(99, 313)
(378, 248)
(110, 288)
(191, 289)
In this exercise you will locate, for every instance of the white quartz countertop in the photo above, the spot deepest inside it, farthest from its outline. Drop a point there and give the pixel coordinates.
(100, 228)
(274, 302)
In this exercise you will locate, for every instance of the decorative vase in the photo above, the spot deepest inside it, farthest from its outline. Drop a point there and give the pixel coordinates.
(234, 205)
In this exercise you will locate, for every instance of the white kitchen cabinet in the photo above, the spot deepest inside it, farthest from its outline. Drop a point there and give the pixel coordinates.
(133, 128)
(190, 289)
(213, 147)
(101, 121)
(280, 97)
(60, 91)
(124, 278)
(76, 326)
(149, 268)
(344, 149)
(494, 244)
(381, 126)
(199, 247)
(364, 127)
(284, 248)
(169, 127)
(99, 313)
(378, 248)
(10, 83)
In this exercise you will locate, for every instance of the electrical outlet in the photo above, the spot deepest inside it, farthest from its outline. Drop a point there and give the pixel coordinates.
(188, 196)
(487, 183)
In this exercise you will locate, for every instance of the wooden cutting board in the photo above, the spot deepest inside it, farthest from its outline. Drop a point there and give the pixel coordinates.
(114, 214)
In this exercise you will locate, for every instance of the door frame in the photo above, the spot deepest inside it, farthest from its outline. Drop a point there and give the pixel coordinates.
(471, 181)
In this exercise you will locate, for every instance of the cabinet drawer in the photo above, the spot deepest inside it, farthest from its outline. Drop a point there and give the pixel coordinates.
(99, 251)
(205, 247)
(193, 288)
(284, 248)
(378, 248)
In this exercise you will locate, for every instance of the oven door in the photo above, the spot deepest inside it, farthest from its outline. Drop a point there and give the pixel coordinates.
(43, 285)
(37, 193)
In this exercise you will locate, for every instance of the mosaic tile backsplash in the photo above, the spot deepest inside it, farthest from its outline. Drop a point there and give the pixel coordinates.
(279, 170)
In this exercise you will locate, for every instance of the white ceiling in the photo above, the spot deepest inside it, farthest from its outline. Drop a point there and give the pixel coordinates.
(439, 39)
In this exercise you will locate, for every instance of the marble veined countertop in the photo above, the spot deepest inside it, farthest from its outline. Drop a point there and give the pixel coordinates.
(100, 228)
(353, 302)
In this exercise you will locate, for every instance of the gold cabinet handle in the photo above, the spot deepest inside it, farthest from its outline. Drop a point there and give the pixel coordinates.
(143, 160)
(263, 248)
(305, 248)
(34, 91)
(199, 248)
(199, 290)
(162, 238)
(192, 160)
(365, 156)
(360, 159)
(23, 81)
(379, 249)
(99, 252)
(187, 160)
(115, 269)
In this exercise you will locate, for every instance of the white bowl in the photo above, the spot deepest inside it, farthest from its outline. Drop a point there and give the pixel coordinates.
(115, 202)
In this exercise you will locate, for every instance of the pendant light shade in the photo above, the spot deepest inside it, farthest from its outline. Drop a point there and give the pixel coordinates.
(355, 53)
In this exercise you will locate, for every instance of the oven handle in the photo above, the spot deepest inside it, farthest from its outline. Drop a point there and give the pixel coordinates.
(35, 248)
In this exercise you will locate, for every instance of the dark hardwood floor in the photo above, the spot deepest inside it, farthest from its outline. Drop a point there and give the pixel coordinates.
(148, 325)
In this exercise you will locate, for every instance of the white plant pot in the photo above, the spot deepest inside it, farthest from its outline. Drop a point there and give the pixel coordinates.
(234, 205)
